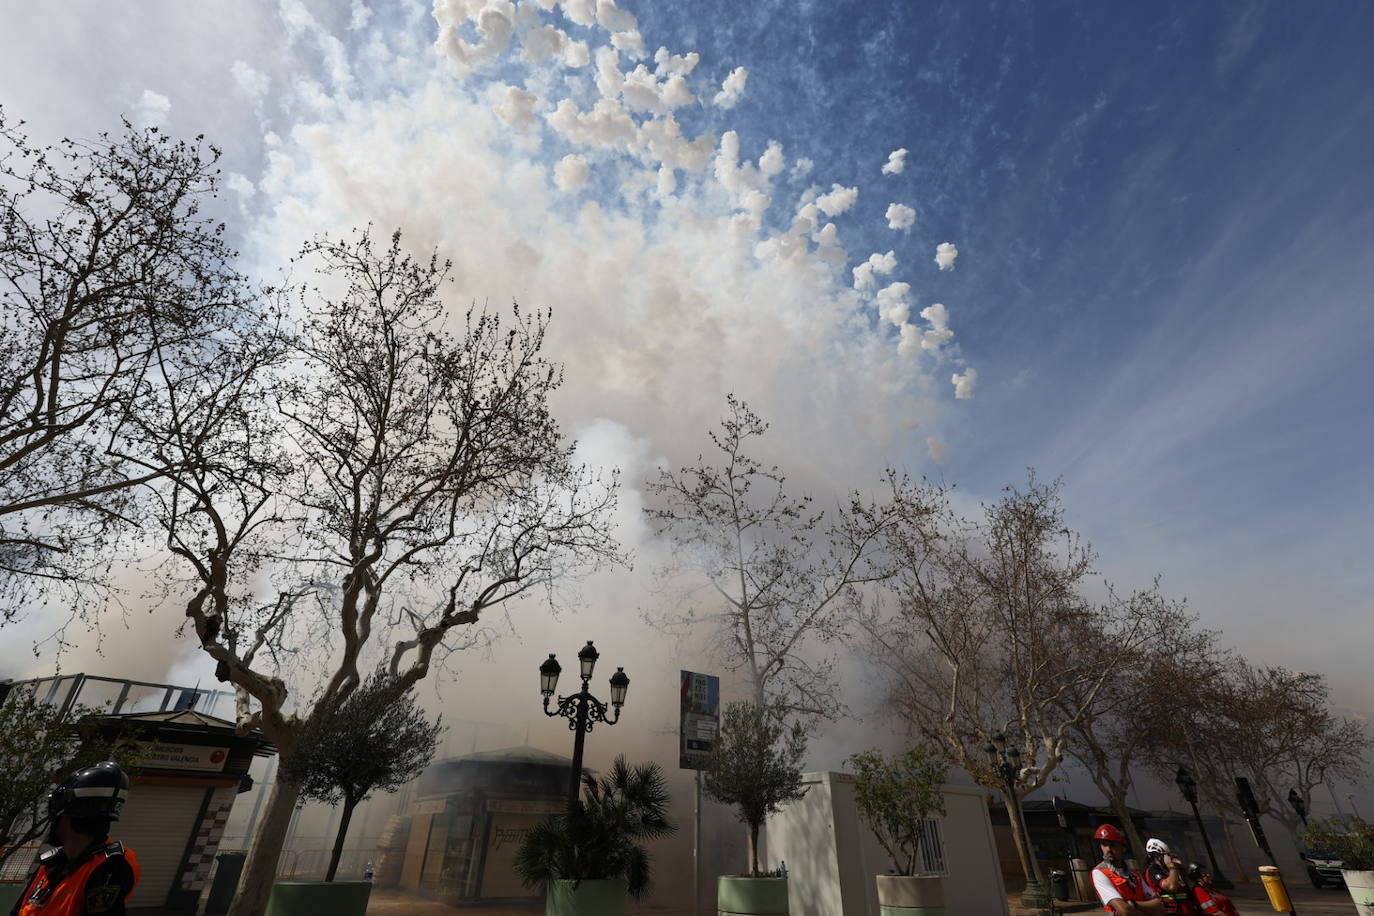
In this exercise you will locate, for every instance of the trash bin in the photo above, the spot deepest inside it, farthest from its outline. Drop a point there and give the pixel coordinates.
(226, 882)
(1059, 884)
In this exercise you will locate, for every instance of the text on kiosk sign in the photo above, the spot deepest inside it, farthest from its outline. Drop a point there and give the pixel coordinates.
(182, 757)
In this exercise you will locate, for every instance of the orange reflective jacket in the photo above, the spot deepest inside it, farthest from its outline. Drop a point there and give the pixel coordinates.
(68, 896)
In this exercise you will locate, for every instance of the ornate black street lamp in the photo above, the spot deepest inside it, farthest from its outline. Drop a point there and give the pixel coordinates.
(581, 709)
(1188, 786)
(1298, 805)
(1006, 762)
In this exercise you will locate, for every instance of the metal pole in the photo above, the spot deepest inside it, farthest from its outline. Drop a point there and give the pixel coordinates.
(696, 847)
(1217, 877)
(1034, 894)
(575, 784)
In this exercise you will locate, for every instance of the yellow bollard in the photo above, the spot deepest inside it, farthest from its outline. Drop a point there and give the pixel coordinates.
(1273, 886)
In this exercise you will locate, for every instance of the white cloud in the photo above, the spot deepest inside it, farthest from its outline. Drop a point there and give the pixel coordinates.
(613, 19)
(892, 303)
(516, 108)
(631, 43)
(251, 83)
(606, 125)
(876, 264)
(667, 181)
(900, 216)
(896, 162)
(945, 253)
(939, 332)
(837, 200)
(543, 43)
(495, 24)
(580, 12)
(772, 162)
(151, 109)
(359, 16)
(963, 383)
(667, 64)
(732, 89)
(240, 184)
(576, 54)
(571, 172)
(801, 167)
(936, 450)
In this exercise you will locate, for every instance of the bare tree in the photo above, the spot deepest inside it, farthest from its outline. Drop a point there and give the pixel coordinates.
(1138, 708)
(105, 261)
(779, 575)
(1274, 726)
(379, 480)
(989, 633)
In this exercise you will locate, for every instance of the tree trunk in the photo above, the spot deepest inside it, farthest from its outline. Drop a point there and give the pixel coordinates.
(264, 852)
(1029, 867)
(348, 807)
(1123, 811)
(753, 850)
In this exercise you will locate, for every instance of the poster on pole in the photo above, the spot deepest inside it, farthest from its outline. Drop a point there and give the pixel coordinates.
(700, 722)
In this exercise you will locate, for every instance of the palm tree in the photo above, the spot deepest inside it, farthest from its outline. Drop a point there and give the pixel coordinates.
(599, 836)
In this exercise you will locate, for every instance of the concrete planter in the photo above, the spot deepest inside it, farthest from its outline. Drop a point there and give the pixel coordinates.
(751, 896)
(904, 895)
(312, 898)
(588, 898)
(1361, 887)
(10, 892)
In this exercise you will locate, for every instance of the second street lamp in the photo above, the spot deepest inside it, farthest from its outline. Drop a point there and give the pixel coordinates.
(1188, 786)
(1006, 762)
(1298, 805)
(581, 709)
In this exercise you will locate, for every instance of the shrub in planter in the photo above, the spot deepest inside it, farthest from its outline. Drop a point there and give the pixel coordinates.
(1351, 840)
(599, 839)
(755, 766)
(896, 796)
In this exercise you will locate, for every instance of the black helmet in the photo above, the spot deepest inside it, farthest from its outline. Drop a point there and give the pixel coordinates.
(97, 791)
(1197, 870)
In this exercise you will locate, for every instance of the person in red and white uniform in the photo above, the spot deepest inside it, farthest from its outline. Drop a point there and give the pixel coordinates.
(1121, 890)
(1211, 901)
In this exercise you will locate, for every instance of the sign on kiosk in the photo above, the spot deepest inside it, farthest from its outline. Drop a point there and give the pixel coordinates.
(182, 756)
(700, 722)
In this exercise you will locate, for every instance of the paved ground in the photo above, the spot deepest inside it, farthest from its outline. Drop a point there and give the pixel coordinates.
(398, 903)
(1249, 901)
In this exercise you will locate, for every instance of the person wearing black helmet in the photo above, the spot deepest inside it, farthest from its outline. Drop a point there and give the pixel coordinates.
(85, 873)
(1211, 901)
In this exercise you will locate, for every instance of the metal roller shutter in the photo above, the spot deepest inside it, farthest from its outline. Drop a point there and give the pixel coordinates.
(156, 824)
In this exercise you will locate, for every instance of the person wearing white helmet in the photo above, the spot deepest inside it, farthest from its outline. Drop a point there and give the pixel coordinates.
(1164, 874)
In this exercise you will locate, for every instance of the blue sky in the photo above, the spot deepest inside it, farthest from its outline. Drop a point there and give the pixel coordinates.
(1163, 214)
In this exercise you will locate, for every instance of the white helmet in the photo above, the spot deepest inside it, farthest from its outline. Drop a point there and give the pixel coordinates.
(1153, 846)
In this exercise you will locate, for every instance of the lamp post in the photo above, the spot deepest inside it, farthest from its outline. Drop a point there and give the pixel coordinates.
(581, 709)
(1006, 762)
(1298, 805)
(1188, 786)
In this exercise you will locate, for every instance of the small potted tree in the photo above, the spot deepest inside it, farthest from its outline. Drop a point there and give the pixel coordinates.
(896, 796)
(755, 766)
(591, 856)
(1351, 840)
(377, 739)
